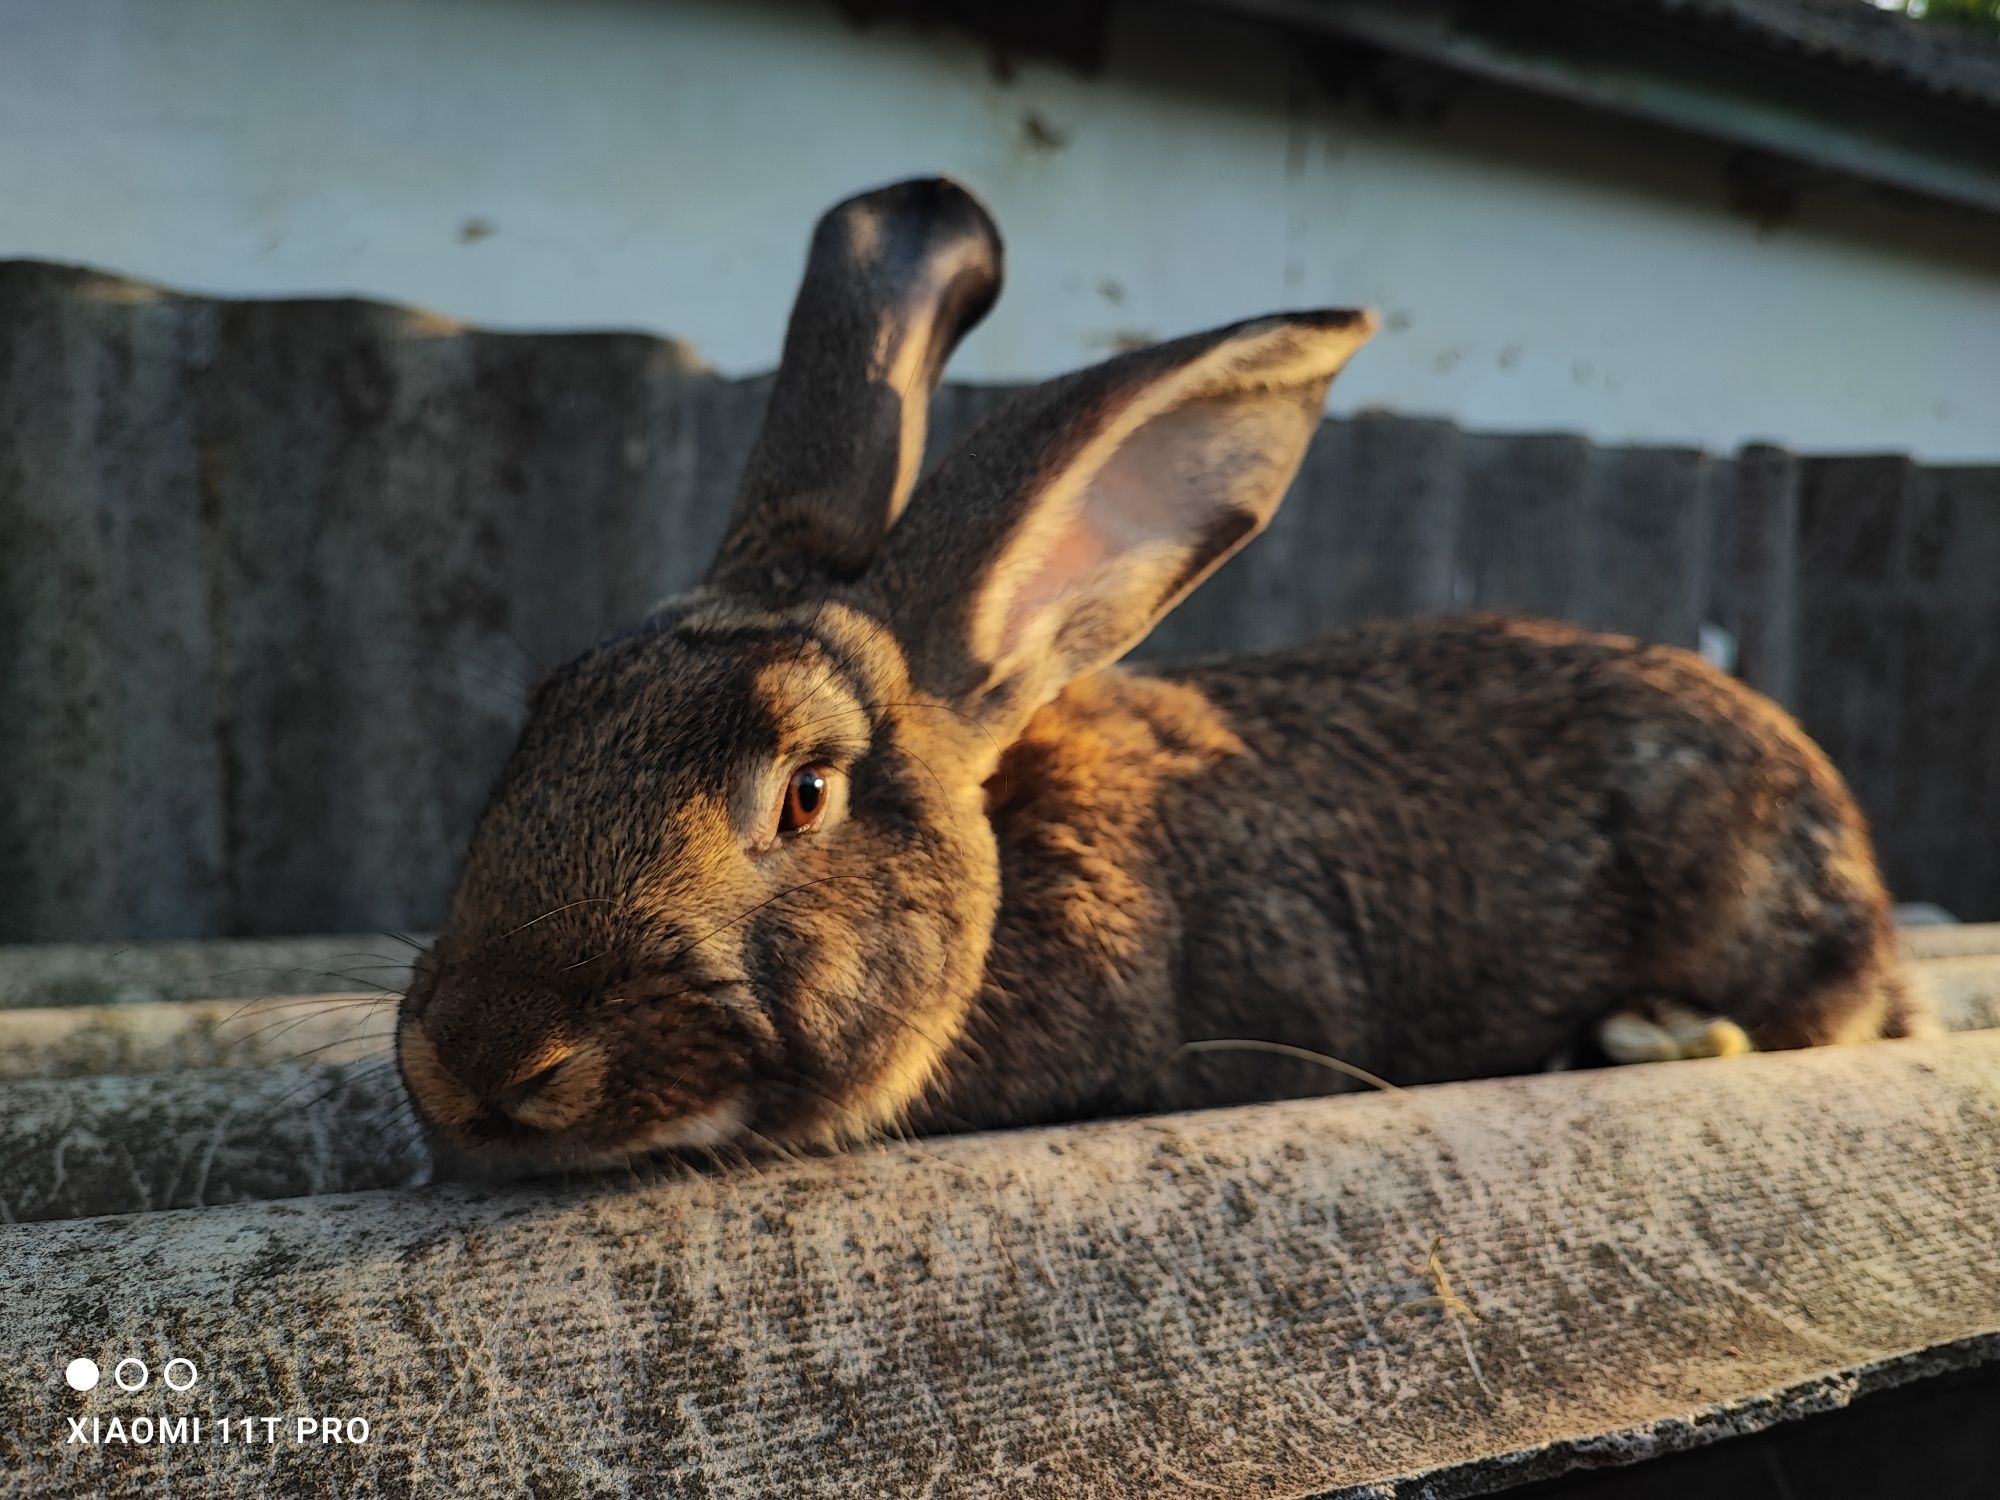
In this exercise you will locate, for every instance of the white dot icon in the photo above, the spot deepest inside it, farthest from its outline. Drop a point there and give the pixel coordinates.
(81, 1374)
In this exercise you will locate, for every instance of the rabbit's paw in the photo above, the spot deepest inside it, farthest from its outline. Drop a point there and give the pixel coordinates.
(1668, 1033)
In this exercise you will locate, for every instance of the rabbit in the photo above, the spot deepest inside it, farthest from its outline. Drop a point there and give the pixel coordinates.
(867, 832)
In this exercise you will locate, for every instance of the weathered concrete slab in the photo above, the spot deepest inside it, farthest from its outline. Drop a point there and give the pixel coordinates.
(1950, 941)
(206, 1044)
(81, 1146)
(90, 1041)
(55, 974)
(1965, 990)
(138, 1037)
(1438, 1293)
(51, 974)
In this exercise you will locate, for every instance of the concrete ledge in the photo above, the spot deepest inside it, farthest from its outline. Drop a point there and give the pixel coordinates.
(1950, 940)
(1441, 1293)
(62, 974)
(58, 974)
(81, 1146)
(104, 1107)
(1965, 988)
(85, 1041)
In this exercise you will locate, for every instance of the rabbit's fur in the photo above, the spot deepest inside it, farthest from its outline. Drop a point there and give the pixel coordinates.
(1432, 849)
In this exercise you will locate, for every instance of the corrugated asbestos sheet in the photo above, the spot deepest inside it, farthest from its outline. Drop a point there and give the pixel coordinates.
(276, 578)
(1441, 1292)
(125, 1106)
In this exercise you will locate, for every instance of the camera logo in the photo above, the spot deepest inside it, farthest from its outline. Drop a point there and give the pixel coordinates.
(219, 1425)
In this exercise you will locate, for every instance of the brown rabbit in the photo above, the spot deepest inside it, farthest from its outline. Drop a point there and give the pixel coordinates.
(866, 831)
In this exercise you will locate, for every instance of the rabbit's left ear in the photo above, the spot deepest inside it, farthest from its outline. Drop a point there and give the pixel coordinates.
(894, 279)
(1047, 545)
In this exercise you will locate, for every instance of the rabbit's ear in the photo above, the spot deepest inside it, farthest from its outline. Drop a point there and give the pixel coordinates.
(894, 279)
(1047, 545)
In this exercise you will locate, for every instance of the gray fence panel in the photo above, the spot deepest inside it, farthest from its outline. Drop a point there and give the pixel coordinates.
(1757, 565)
(1899, 661)
(1646, 566)
(429, 519)
(109, 766)
(1522, 526)
(1369, 529)
(277, 578)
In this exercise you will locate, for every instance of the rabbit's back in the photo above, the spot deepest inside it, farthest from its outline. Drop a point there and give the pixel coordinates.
(1436, 848)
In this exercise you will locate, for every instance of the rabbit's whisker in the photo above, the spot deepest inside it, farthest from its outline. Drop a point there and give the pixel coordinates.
(1276, 1049)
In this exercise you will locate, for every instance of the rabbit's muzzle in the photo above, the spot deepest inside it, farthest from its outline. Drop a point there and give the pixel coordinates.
(529, 1081)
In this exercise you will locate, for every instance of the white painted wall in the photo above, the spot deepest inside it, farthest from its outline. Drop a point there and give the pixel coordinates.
(644, 163)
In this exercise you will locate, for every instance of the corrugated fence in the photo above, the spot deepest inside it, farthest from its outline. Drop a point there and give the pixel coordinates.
(274, 578)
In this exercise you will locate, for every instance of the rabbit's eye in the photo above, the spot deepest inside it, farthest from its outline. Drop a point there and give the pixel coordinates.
(805, 800)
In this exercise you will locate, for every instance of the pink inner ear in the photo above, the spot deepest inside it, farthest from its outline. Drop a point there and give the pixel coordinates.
(1079, 553)
(1164, 486)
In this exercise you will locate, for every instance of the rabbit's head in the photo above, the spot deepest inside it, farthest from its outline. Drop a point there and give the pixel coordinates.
(738, 877)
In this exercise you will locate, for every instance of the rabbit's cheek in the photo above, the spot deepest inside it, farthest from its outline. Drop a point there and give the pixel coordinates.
(441, 1099)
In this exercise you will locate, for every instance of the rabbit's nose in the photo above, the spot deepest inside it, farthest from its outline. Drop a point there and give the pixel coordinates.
(471, 1067)
(518, 1095)
(554, 1088)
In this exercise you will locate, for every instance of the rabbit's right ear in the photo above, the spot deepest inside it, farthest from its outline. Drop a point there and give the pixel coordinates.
(1069, 521)
(894, 279)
